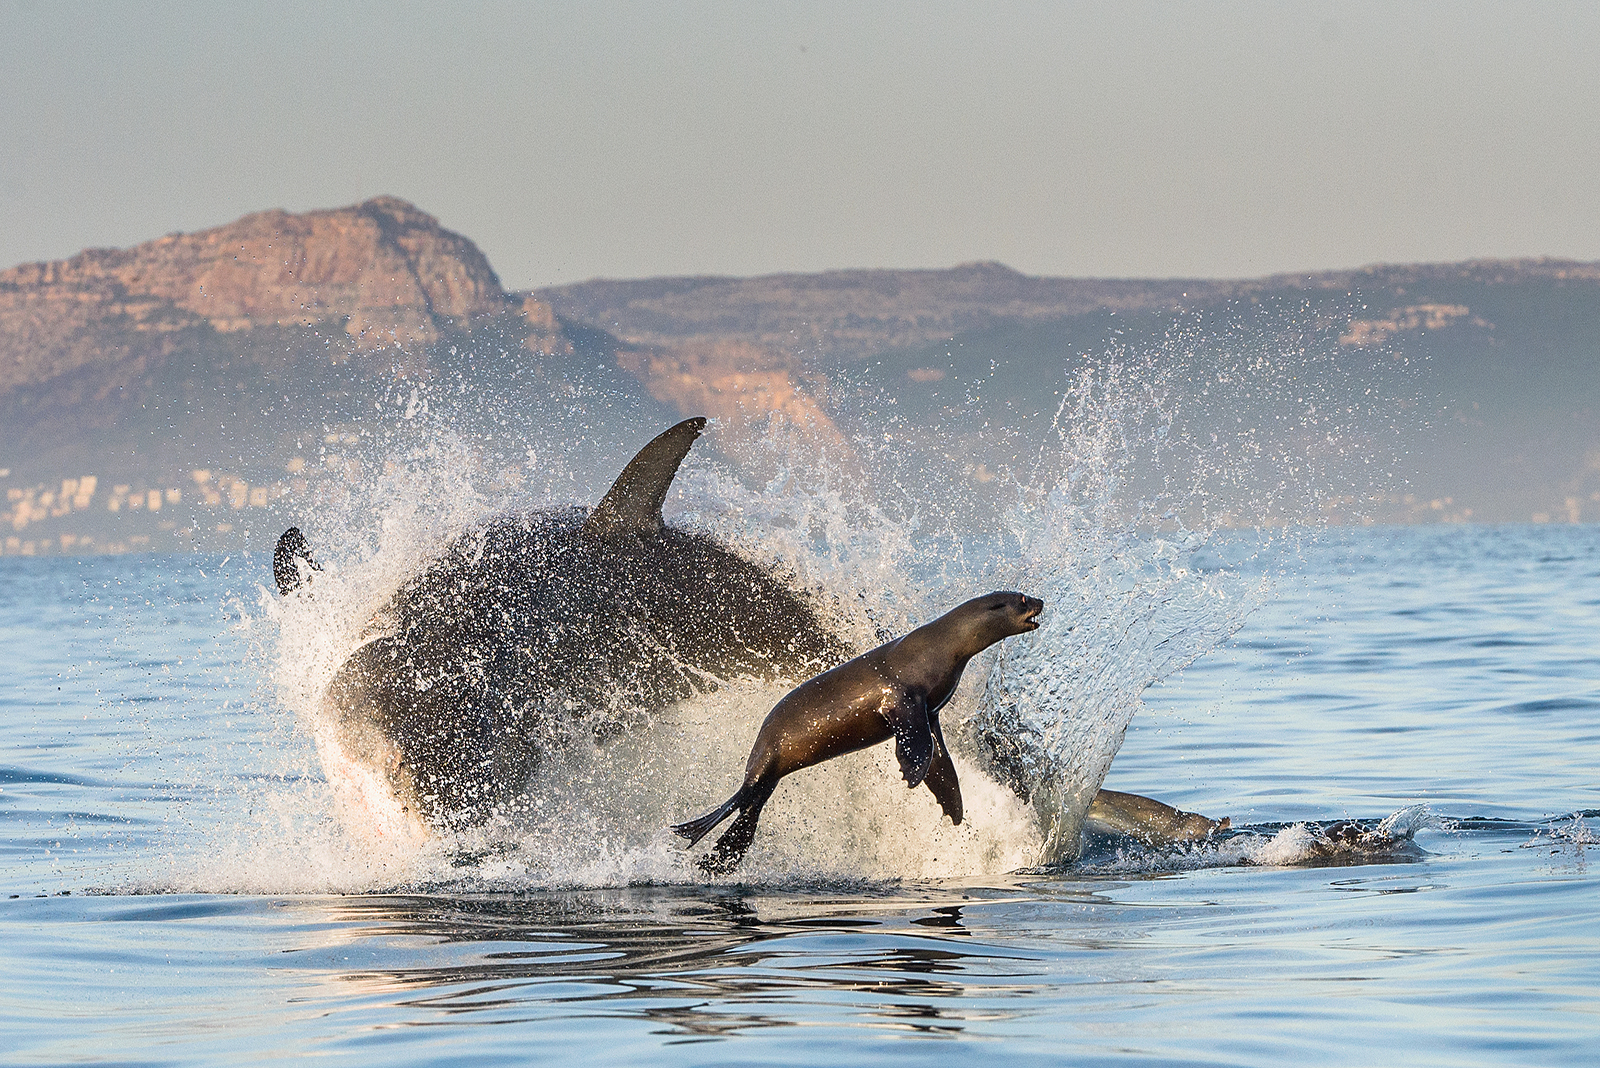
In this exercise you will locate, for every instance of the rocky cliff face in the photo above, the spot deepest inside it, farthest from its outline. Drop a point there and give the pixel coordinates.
(251, 355)
(754, 394)
(387, 274)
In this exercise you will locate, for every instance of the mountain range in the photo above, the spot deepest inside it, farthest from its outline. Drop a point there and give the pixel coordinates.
(200, 386)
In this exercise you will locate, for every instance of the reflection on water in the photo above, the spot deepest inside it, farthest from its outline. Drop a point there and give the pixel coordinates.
(1479, 951)
(699, 962)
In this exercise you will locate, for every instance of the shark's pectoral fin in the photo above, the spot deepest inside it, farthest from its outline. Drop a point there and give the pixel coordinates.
(633, 504)
(913, 737)
(942, 776)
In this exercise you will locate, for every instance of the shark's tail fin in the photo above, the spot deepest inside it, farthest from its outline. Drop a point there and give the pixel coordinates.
(700, 826)
(286, 559)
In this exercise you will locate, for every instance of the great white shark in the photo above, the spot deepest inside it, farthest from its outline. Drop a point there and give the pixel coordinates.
(534, 628)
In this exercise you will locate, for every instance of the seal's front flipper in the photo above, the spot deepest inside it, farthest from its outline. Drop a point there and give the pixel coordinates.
(942, 776)
(633, 504)
(292, 551)
(913, 737)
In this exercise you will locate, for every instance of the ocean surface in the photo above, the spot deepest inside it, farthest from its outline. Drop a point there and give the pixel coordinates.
(176, 887)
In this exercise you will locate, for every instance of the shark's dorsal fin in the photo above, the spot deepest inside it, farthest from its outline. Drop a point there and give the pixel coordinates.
(633, 504)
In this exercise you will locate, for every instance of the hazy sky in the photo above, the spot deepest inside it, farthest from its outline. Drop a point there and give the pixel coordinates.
(637, 138)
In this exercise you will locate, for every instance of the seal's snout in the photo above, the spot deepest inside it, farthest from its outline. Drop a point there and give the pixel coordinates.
(1031, 607)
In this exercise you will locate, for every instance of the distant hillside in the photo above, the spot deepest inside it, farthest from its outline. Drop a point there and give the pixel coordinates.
(1500, 398)
(850, 315)
(183, 390)
(197, 387)
(853, 315)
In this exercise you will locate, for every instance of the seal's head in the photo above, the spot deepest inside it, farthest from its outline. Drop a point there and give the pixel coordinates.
(1016, 612)
(994, 616)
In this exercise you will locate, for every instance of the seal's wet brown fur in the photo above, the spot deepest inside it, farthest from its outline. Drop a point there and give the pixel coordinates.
(894, 691)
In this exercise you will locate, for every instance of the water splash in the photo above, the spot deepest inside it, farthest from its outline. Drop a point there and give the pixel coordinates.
(1126, 604)
(1573, 831)
(1390, 839)
(1166, 475)
(1123, 525)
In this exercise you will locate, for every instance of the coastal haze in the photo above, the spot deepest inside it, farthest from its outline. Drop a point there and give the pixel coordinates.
(193, 389)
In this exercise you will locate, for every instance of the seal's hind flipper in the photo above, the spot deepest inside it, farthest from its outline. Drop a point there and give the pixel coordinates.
(633, 504)
(286, 559)
(730, 848)
(942, 776)
(913, 737)
(700, 826)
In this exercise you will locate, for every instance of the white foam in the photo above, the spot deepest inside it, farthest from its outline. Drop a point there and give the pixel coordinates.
(1106, 543)
(1123, 607)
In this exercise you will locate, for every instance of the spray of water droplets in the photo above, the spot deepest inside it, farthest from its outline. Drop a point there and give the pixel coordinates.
(1161, 476)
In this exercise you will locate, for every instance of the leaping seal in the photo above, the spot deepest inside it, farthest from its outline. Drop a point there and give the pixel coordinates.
(894, 691)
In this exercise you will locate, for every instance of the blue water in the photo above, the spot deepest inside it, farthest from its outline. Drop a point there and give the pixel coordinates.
(145, 757)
